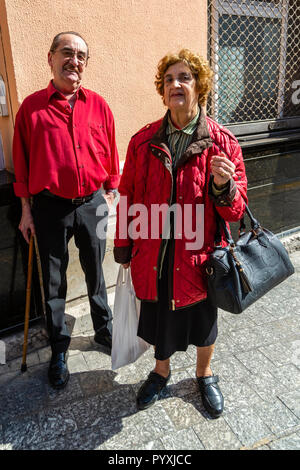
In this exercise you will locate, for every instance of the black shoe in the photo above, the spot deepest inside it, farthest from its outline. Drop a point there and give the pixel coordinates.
(151, 389)
(211, 394)
(58, 373)
(103, 340)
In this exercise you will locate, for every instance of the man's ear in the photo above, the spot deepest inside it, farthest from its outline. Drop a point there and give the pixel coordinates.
(50, 59)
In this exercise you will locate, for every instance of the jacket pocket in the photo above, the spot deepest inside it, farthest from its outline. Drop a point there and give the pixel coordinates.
(200, 260)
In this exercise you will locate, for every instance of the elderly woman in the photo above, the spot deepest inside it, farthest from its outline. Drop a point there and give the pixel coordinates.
(193, 164)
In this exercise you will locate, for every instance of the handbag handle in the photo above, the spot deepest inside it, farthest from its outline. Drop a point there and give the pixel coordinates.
(255, 225)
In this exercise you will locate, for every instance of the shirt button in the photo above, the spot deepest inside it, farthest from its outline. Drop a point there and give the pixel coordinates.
(180, 197)
(83, 184)
(78, 146)
(177, 269)
(155, 268)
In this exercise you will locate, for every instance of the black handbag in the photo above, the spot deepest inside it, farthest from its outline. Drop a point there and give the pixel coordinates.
(242, 272)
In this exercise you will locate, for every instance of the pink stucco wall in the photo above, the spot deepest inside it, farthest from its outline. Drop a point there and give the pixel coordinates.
(126, 38)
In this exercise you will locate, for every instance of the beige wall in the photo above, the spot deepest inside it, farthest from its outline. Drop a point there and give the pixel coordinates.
(6, 122)
(126, 38)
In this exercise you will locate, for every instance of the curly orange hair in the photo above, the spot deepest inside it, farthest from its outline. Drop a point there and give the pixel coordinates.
(198, 66)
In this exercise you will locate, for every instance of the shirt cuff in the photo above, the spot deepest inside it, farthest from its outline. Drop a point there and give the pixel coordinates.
(226, 197)
(112, 182)
(21, 190)
(217, 191)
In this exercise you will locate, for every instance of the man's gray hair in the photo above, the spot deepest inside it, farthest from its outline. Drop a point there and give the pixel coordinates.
(56, 40)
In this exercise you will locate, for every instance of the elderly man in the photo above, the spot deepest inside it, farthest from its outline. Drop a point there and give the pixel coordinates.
(64, 150)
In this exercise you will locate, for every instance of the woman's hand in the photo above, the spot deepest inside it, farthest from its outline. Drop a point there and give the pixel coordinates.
(222, 169)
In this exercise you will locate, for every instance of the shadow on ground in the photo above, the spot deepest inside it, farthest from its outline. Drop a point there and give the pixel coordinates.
(93, 411)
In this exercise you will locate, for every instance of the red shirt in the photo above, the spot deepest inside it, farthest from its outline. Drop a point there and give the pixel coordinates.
(69, 152)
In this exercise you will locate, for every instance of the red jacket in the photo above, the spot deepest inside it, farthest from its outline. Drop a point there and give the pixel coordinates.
(147, 179)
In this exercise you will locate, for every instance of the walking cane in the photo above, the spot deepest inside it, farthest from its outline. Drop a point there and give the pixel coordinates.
(39, 266)
(27, 306)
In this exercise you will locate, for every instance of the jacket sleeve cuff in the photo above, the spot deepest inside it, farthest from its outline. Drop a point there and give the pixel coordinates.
(122, 254)
(21, 190)
(226, 197)
(112, 182)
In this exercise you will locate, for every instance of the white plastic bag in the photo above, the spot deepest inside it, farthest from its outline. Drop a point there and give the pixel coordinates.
(127, 347)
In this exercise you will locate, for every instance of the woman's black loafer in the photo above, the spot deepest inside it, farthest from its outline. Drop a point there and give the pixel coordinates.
(151, 389)
(211, 395)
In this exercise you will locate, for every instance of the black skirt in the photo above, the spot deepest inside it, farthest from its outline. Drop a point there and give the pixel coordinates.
(174, 330)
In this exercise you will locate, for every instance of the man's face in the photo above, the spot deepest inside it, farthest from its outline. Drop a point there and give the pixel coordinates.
(68, 63)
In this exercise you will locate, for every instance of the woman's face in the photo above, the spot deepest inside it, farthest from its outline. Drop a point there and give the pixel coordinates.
(180, 93)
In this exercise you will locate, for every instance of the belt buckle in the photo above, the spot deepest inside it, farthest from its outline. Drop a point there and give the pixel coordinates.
(78, 200)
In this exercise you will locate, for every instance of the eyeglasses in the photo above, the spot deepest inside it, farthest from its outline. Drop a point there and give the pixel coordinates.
(71, 54)
(182, 78)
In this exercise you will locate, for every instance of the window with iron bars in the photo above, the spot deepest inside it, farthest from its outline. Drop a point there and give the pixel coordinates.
(254, 51)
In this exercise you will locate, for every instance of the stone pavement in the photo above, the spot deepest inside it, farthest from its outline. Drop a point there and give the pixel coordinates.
(257, 358)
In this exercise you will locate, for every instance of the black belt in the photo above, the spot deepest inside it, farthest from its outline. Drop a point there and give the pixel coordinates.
(76, 200)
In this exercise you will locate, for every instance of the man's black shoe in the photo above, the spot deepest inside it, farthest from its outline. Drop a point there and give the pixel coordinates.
(58, 373)
(105, 341)
(151, 389)
(211, 395)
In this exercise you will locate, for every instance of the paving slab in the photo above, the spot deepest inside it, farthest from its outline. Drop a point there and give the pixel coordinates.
(184, 439)
(217, 435)
(257, 358)
(292, 401)
(291, 442)
(247, 425)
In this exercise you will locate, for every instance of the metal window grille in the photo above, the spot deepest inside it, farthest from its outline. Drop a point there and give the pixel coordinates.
(254, 51)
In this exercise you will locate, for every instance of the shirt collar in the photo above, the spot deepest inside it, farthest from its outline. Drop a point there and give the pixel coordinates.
(188, 129)
(51, 90)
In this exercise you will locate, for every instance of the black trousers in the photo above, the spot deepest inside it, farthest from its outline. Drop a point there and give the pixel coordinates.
(56, 221)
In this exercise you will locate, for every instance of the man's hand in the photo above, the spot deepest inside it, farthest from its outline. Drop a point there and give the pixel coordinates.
(109, 197)
(222, 169)
(126, 265)
(26, 224)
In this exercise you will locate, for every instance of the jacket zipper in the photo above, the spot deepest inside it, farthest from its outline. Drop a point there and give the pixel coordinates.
(163, 246)
(172, 302)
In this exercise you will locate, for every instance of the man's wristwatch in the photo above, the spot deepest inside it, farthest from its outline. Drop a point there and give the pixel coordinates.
(112, 191)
